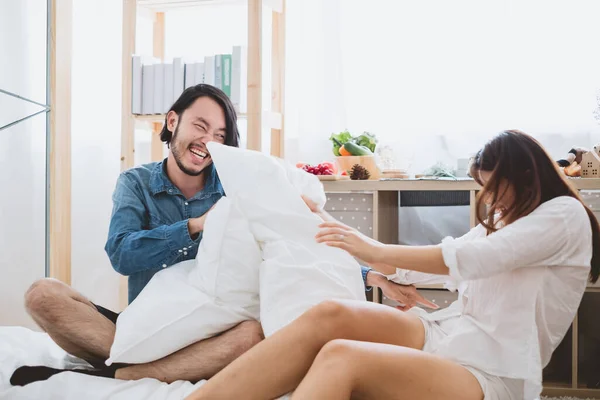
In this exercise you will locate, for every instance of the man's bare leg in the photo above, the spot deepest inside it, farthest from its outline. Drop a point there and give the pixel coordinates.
(200, 360)
(70, 320)
(76, 326)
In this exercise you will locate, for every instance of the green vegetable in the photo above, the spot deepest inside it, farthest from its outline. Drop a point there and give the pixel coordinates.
(366, 139)
(357, 150)
(340, 139)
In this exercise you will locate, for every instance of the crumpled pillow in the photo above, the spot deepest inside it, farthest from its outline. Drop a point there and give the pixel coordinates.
(297, 272)
(194, 299)
(259, 240)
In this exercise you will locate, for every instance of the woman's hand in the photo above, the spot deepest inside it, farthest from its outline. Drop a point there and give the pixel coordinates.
(336, 234)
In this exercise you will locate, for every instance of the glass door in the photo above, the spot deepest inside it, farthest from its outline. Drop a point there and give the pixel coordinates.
(23, 153)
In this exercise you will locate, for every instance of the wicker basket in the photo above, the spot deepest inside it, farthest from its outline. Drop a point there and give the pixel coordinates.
(345, 163)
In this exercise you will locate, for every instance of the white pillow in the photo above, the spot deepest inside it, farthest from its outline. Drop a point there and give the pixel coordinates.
(195, 299)
(198, 299)
(297, 272)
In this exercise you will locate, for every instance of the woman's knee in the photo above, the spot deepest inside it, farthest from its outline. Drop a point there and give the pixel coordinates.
(333, 317)
(43, 296)
(337, 354)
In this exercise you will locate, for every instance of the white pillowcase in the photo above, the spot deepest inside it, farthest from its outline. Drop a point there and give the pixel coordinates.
(195, 299)
(297, 272)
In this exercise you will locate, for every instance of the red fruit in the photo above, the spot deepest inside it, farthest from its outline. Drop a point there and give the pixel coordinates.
(331, 165)
(300, 165)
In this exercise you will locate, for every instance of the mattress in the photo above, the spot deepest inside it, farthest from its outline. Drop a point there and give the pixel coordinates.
(20, 346)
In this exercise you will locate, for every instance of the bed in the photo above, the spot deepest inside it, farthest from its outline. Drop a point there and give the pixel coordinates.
(22, 346)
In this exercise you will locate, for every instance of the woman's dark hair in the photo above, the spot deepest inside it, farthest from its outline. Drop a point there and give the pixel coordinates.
(515, 157)
(193, 93)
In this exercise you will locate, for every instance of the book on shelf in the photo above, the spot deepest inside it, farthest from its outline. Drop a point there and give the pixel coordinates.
(226, 74)
(148, 89)
(209, 70)
(136, 84)
(169, 87)
(190, 75)
(178, 78)
(199, 73)
(157, 85)
(239, 78)
(159, 88)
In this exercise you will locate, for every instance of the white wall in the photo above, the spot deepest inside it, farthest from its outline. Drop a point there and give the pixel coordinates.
(96, 141)
(436, 79)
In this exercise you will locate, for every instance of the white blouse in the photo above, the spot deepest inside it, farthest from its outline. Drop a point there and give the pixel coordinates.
(519, 290)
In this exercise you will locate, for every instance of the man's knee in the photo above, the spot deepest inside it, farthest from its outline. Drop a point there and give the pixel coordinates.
(44, 296)
(251, 333)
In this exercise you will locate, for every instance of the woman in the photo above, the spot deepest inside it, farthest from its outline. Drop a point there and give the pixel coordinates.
(521, 274)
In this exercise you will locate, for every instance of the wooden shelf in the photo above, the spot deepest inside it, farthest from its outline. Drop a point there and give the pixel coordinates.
(431, 184)
(161, 117)
(166, 5)
(256, 117)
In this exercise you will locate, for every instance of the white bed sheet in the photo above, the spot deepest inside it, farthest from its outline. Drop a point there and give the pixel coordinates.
(21, 346)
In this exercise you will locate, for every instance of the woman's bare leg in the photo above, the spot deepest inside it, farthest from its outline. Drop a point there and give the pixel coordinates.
(277, 365)
(347, 369)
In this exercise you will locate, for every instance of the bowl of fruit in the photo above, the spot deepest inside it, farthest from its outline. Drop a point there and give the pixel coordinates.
(355, 155)
(325, 171)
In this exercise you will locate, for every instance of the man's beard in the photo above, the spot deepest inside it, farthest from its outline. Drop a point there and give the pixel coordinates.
(177, 156)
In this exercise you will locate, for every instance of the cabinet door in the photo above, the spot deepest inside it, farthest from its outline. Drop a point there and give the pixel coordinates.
(588, 345)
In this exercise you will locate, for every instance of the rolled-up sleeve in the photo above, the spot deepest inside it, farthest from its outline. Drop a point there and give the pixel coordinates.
(408, 277)
(131, 246)
(539, 239)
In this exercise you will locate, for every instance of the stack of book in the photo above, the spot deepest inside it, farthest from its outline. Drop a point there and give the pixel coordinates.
(156, 85)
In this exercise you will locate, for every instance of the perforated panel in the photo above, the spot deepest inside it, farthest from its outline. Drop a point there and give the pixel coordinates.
(353, 209)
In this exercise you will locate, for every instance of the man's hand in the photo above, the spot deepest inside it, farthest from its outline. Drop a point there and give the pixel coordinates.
(196, 225)
(406, 295)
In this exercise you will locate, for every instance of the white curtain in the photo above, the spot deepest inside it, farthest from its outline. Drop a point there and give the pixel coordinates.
(434, 79)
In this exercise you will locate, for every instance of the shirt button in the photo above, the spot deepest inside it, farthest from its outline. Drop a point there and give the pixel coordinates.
(185, 203)
(164, 266)
(185, 253)
(170, 190)
(185, 248)
(180, 250)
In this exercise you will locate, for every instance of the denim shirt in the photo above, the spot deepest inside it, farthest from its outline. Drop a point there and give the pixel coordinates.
(149, 224)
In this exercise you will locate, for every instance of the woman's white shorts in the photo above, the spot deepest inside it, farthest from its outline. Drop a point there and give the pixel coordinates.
(493, 387)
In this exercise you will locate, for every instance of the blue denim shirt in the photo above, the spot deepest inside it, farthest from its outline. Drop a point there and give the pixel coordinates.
(149, 224)
(148, 228)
